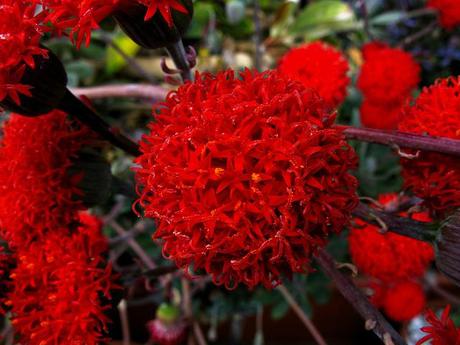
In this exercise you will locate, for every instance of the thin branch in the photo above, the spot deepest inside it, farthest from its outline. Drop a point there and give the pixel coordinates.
(374, 319)
(177, 53)
(426, 30)
(257, 36)
(400, 225)
(365, 14)
(406, 140)
(148, 92)
(302, 316)
(188, 312)
(123, 310)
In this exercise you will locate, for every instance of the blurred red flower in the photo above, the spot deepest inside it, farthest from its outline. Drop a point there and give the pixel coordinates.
(20, 31)
(318, 66)
(404, 300)
(245, 176)
(387, 78)
(434, 177)
(441, 331)
(449, 11)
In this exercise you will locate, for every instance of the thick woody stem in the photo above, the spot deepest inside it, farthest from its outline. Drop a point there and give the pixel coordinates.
(148, 92)
(403, 140)
(400, 225)
(373, 318)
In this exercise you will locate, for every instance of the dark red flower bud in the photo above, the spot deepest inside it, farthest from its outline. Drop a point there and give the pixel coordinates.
(168, 328)
(154, 32)
(47, 82)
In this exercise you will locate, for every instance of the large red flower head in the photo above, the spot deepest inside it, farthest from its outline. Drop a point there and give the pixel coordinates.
(442, 331)
(449, 11)
(245, 176)
(321, 67)
(388, 75)
(58, 285)
(36, 190)
(79, 18)
(20, 32)
(379, 116)
(389, 256)
(435, 177)
(404, 300)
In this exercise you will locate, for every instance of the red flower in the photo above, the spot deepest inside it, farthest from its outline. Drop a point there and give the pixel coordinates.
(58, 283)
(449, 11)
(245, 176)
(435, 177)
(389, 256)
(404, 301)
(20, 32)
(442, 331)
(79, 18)
(387, 79)
(37, 192)
(321, 67)
(168, 328)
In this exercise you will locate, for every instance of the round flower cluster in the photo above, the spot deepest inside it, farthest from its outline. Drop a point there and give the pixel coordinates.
(435, 177)
(61, 273)
(245, 176)
(79, 18)
(389, 256)
(387, 78)
(20, 31)
(321, 67)
(449, 11)
(394, 262)
(442, 331)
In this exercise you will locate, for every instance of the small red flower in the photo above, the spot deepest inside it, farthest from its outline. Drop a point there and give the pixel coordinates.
(245, 176)
(389, 256)
(57, 287)
(36, 190)
(441, 331)
(79, 18)
(321, 67)
(387, 79)
(404, 300)
(431, 176)
(449, 11)
(168, 328)
(20, 31)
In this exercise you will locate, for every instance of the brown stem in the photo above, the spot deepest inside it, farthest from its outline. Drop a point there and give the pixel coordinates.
(405, 140)
(302, 316)
(257, 36)
(374, 319)
(143, 91)
(400, 225)
(177, 53)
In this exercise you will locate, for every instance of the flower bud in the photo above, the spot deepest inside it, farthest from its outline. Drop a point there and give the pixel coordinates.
(155, 32)
(448, 248)
(48, 85)
(167, 328)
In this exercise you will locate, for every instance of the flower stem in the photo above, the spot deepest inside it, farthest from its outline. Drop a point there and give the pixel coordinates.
(403, 140)
(177, 53)
(76, 108)
(400, 225)
(374, 319)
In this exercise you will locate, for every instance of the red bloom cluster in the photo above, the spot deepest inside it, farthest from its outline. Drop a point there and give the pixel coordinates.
(58, 284)
(79, 18)
(442, 331)
(449, 11)
(60, 273)
(387, 79)
(434, 177)
(321, 67)
(389, 256)
(245, 176)
(20, 32)
(395, 262)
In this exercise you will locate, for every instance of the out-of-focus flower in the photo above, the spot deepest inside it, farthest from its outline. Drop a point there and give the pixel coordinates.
(449, 11)
(167, 328)
(441, 331)
(389, 256)
(245, 176)
(321, 67)
(404, 300)
(387, 79)
(434, 177)
(20, 31)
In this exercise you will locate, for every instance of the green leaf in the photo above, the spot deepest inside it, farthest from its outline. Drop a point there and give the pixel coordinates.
(279, 310)
(388, 18)
(203, 13)
(114, 61)
(324, 18)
